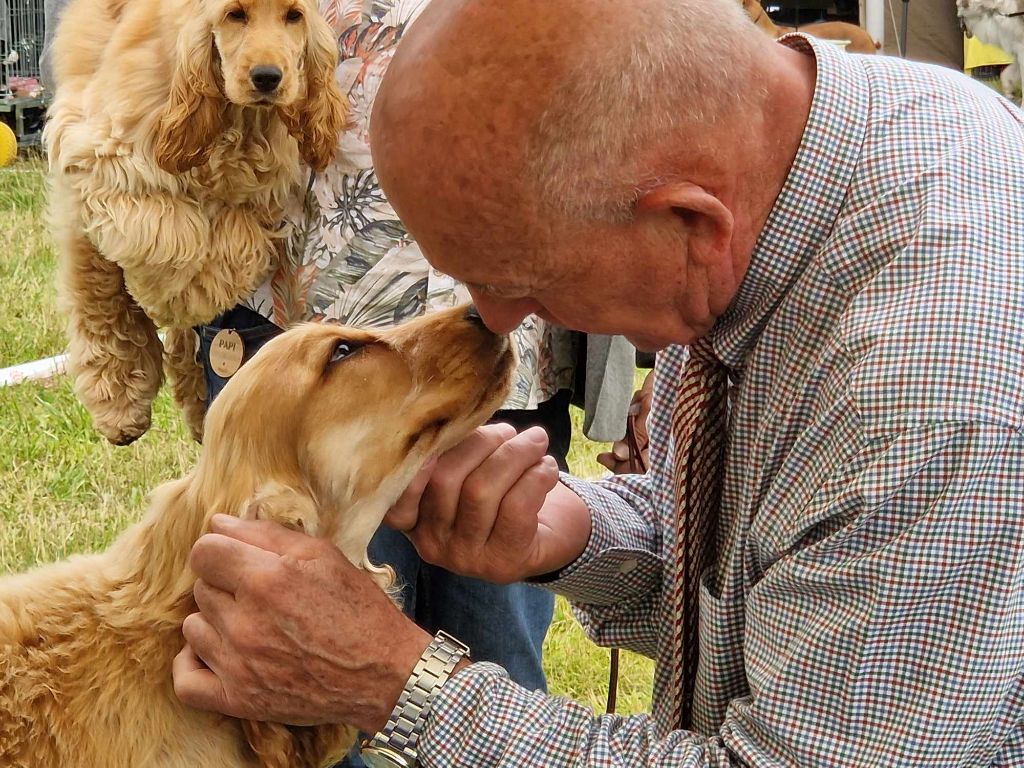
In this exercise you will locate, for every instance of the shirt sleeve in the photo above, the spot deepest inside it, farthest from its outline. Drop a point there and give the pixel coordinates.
(614, 584)
(480, 719)
(889, 632)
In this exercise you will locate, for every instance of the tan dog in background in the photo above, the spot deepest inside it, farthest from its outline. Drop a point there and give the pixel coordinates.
(175, 141)
(859, 40)
(321, 431)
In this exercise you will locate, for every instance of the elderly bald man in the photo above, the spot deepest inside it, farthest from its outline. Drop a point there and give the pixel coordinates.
(830, 571)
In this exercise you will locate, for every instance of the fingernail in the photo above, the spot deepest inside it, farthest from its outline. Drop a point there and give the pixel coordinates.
(537, 435)
(505, 430)
(222, 522)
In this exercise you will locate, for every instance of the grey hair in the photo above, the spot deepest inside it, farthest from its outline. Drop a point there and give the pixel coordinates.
(681, 64)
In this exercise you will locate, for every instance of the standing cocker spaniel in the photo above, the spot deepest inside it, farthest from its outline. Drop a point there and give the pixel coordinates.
(176, 139)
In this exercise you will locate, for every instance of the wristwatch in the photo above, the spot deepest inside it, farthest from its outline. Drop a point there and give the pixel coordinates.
(394, 746)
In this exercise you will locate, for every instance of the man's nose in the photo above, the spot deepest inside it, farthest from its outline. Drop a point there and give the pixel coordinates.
(502, 315)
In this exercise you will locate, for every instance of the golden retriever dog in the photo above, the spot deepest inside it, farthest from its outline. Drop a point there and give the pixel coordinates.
(858, 40)
(321, 431)
(175, 139)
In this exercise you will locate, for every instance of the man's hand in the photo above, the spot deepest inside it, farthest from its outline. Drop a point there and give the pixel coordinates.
(492, 507)
(290, 631)
(617, 459)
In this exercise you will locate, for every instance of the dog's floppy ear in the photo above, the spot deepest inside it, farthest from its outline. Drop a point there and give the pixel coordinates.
(321, 115)
(285, 746)
(194, 115)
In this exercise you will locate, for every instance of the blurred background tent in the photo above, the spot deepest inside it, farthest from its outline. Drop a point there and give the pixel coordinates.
(933, 31)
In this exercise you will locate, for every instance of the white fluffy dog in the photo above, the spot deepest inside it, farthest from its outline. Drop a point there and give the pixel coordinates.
(999, 23)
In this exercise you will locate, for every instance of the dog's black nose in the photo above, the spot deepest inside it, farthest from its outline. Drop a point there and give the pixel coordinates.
(474, 316)
(265, 79)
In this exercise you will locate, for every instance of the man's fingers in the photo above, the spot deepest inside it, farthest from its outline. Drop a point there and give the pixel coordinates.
(406, 511)
(487, 485)
(215, 605)
(203, 640)
(223, 562)
(264, 534)
(196, 686)
(441, 499)
(516, 525)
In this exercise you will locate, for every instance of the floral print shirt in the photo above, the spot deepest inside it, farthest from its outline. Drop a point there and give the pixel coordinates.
(349, 259)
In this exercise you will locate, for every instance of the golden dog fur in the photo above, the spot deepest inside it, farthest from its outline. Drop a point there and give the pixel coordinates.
(86, 645)
(170, 175)
(860, 40)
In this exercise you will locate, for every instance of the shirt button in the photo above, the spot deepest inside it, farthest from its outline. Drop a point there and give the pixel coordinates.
(627, 566)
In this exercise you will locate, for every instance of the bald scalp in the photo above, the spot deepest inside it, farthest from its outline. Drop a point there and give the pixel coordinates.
(540, 107)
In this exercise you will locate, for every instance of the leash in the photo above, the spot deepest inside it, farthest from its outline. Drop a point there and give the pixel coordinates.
(638, 466)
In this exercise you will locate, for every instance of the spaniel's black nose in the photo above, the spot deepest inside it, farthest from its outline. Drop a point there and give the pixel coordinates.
(265, 79)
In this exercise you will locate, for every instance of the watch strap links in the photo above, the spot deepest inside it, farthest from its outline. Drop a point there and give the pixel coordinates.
(402, 731)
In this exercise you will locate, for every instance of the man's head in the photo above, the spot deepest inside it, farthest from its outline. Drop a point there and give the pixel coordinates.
(561, 158)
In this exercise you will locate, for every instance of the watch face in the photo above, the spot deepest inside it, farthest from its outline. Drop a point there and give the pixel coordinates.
(382, 757)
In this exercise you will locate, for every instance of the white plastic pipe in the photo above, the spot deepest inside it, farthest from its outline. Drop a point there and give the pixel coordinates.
(38, 370)
(873, 19)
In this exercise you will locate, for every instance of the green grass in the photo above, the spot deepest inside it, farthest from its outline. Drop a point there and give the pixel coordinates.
(63, 489)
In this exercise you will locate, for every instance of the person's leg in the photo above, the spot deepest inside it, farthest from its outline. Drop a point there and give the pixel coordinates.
(504, 624)
(391, 547)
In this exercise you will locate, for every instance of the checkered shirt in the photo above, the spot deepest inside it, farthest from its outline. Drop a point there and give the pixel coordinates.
(865, 607)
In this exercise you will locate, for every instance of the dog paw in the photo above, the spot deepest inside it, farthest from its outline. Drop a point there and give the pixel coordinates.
(284, 506)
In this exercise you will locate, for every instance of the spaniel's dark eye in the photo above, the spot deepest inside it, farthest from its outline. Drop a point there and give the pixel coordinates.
(342, 350)
(236, 15)
(293, 15)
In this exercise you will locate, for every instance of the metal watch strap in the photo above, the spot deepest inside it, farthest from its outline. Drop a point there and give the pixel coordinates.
(402, 730)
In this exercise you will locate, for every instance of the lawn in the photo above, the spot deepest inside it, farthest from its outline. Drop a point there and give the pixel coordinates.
(63, 489)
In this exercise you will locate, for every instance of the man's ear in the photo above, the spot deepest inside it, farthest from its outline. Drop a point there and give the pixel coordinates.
(709, 231)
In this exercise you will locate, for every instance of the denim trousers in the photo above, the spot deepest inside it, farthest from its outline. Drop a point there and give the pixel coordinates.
(504, 624)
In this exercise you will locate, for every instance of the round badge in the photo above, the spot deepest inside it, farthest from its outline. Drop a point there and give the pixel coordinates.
(226, 353)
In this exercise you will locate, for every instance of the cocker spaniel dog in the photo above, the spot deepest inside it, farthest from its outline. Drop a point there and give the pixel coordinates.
(321, 431)
(176, 139)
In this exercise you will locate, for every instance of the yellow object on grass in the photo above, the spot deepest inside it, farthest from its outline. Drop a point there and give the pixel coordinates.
(8, 145)
(979, 54)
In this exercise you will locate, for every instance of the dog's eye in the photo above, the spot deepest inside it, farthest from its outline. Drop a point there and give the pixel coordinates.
(237, 15)
(342, 350)
(293, 15)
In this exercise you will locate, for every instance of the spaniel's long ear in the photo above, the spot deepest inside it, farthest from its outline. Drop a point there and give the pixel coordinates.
(322, 114)
(194, 115)
(285, 746)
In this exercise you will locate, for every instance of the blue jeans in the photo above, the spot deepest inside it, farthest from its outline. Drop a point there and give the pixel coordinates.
(502, 624)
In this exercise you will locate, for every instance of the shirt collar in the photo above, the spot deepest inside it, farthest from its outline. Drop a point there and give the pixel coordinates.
(813, 194)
